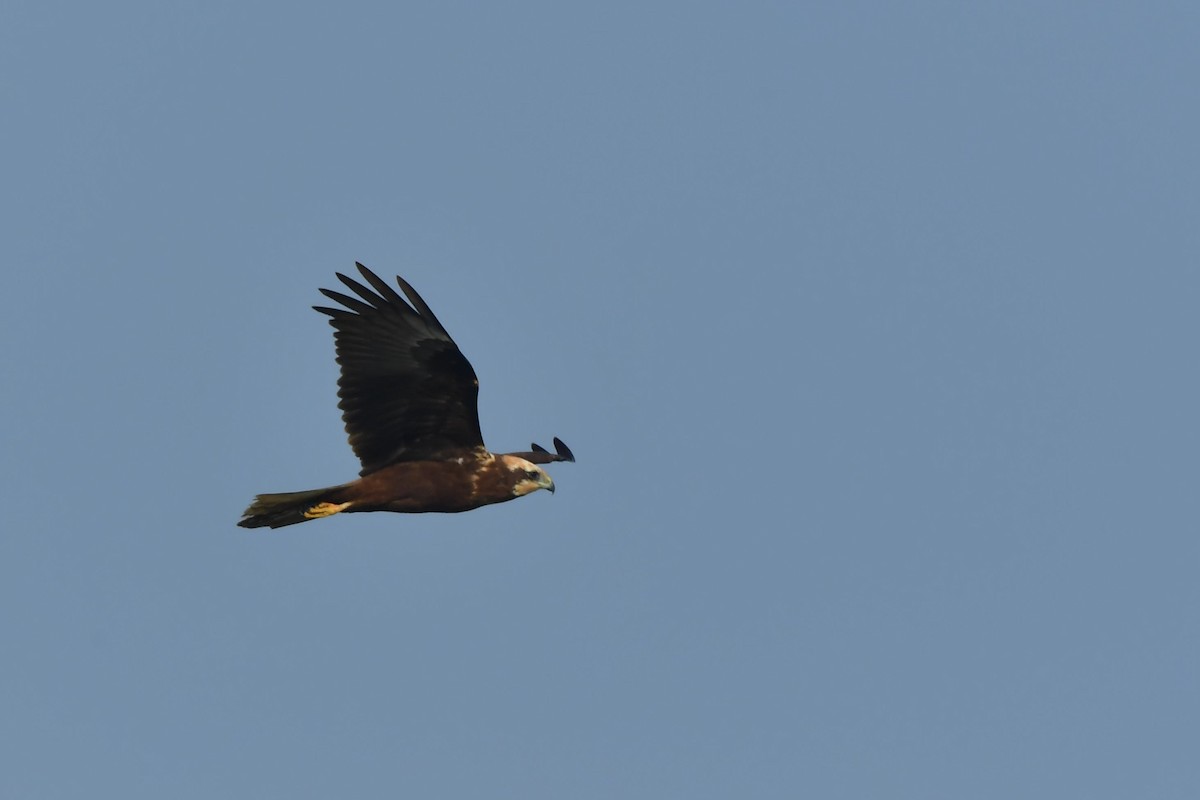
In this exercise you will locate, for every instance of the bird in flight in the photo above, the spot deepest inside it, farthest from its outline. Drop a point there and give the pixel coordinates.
(409, 399)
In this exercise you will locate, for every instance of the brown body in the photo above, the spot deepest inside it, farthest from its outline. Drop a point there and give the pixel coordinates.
(418, 486)
(409, 401)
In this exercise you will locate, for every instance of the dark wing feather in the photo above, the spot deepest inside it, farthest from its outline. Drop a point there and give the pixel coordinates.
(540, 455)
(407, 392)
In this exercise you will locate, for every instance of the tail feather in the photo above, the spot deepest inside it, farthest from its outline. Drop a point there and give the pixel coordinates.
(289, 508)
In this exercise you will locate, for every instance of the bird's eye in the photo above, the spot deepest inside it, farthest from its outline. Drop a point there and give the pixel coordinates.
(532, 474)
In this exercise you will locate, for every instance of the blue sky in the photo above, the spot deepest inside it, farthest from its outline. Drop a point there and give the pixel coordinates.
(873, 328)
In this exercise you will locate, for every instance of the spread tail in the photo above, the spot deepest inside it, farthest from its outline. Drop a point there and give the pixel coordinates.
(278, 510)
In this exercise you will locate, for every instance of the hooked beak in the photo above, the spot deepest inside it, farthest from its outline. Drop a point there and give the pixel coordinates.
(547, 484)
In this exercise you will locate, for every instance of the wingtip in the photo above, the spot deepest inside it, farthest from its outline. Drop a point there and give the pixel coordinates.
(563, 451)
(366, 271)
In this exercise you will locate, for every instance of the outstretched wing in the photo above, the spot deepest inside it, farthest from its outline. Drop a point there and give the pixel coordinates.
(407, 392)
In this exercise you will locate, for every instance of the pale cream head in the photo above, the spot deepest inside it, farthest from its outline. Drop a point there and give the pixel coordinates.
(530, 477)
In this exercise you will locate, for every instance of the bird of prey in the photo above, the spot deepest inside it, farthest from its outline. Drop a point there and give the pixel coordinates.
(409, 402)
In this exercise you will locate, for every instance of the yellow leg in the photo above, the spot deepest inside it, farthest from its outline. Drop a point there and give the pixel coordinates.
(325, 510)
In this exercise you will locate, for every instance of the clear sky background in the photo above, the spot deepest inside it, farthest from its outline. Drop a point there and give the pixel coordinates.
(873, 326)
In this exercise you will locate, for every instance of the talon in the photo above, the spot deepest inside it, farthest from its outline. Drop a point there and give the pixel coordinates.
(325, 510)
